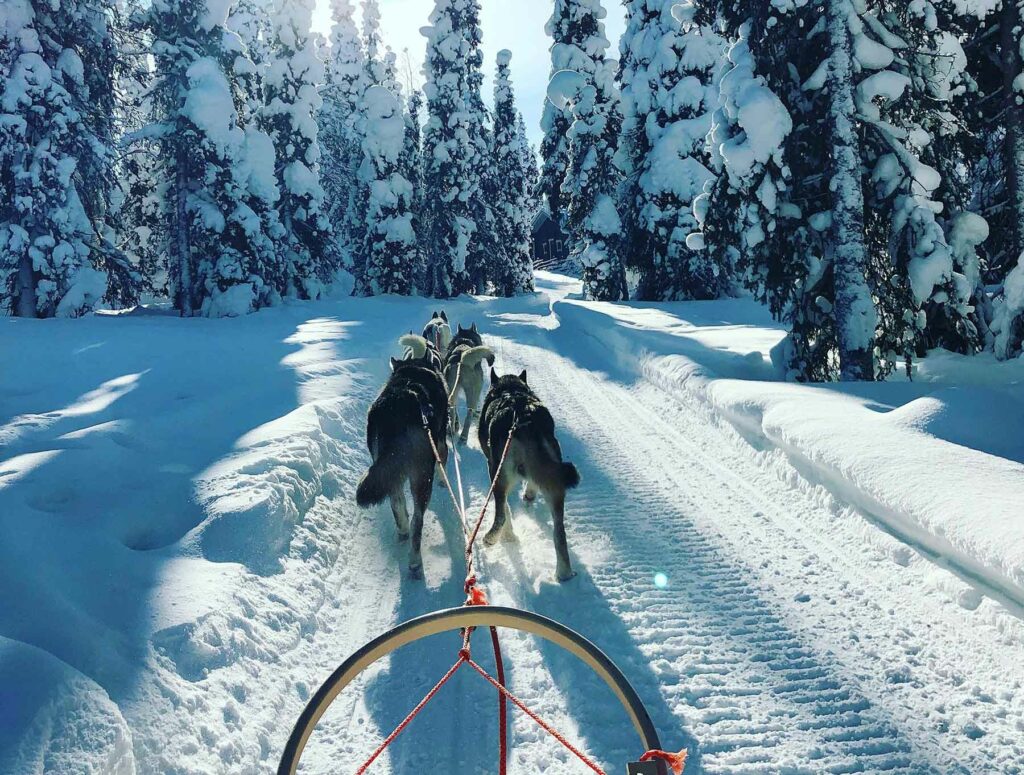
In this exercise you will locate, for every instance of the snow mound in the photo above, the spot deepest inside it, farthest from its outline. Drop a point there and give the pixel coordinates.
(939, 463)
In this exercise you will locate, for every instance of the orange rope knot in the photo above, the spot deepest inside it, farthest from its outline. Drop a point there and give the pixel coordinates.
(475, 595)
(677, 761)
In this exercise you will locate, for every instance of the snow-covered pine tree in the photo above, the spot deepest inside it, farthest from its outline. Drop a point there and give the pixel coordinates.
(590, 187)
(220, 262)
(902, 103)
(486, 256)
(381, 64)
(573, 25)
(511, 206)
(289, 117)
(769, 151)
(530, 169)
(391, 250)
(340, 133)
(410, 165)
(991, 32)
(139, 197)
(637, 46)
(450, 147)
(672, 93)
(56, 135)
(250, 20)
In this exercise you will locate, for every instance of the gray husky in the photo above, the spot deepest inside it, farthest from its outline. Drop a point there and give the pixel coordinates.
(438, 330)
(534, 455)
(464, 372)
(400, 448)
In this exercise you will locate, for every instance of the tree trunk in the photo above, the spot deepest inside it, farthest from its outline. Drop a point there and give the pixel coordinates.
(855, 314)
(1012, 67)
(182, 255)
(26, 304)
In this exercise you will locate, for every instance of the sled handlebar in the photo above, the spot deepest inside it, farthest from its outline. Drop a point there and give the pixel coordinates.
(458, 619)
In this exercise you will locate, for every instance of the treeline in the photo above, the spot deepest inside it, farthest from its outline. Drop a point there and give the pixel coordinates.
(219, 154)
(854, 164)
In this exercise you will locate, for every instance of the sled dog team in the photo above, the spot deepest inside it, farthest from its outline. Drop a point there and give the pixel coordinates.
(422, 393)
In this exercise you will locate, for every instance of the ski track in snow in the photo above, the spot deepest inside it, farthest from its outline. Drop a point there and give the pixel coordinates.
(794, 636)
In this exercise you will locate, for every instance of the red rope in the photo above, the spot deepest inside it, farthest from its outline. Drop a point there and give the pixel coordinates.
(540, 722)
(463, 659)
(499, 664)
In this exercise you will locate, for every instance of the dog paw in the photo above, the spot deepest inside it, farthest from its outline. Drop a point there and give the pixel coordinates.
(492, 536)
(416, 572)
(403, 537)
(566, 575)
(530, 497)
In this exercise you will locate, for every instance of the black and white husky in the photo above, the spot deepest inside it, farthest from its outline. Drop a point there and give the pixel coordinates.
(534, 456)
(438, 331)
(464, 372)
(400, 447)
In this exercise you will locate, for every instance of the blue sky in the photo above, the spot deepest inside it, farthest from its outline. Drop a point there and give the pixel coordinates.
(517, 25)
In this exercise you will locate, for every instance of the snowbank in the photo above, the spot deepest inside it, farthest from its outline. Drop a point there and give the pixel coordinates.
(939, 462)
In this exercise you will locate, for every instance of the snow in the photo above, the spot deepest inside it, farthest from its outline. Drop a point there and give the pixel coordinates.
(806, 578)
(756, 111)
(208, 93)
(864, 443)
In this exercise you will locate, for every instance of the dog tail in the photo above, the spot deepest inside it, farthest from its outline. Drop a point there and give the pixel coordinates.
(570, 476)
(417, 345)
(473, 356)
(375, 485)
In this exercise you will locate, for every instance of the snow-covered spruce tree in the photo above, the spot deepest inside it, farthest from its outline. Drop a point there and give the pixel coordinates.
(250, 20)
(637, 47)
(590, 187)
(410, 165)
(391, 250)
(531, 171)
(292, 80)
(902, 103)
(451, 147)
(139, 202)
(991, 32)
(511, 206)
(762, 214)
(672, 93)
(56, 135)
(219, 260)
(573, 27)
(381, 65)
(340, 122)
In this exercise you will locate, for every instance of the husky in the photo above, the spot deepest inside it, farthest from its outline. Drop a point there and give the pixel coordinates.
(419, 347)
(463, 372)
(400, 447)
(438, 331)
(534, 455)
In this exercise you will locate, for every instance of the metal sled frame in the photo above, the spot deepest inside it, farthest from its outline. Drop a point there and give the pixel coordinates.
(458, 619)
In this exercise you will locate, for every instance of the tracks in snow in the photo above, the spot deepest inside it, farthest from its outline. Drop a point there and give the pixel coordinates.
(785, 641)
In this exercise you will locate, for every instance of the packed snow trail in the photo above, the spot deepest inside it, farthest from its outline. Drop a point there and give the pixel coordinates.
(792, 635)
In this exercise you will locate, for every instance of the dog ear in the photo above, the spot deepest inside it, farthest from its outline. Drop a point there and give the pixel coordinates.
(444, 316)
(461, 329)
(473, 328)
(394, 363)
(433, 315)
(523, 376)
(494, 377)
